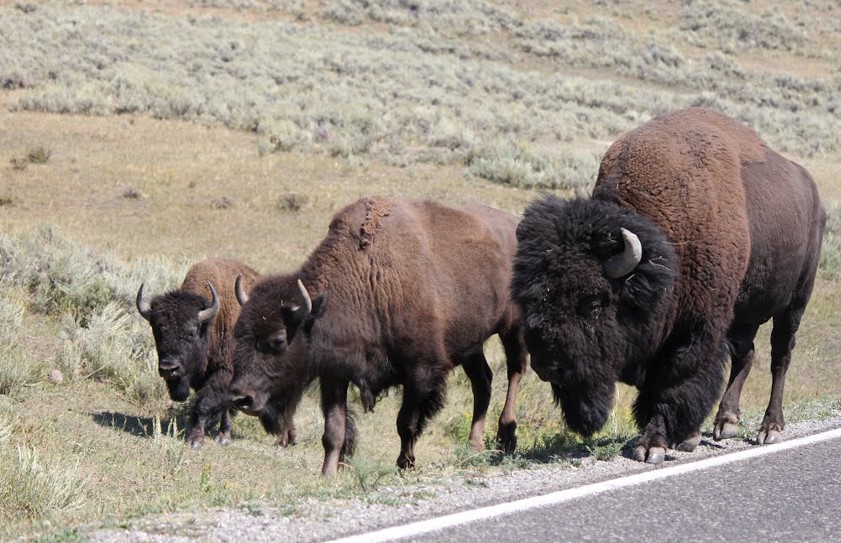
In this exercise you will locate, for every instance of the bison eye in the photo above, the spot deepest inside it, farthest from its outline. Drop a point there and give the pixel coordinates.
(275, 343)
(590, 306)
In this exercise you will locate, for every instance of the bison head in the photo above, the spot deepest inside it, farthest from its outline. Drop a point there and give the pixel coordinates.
(594, 282)
(270, 365)
(180, 322)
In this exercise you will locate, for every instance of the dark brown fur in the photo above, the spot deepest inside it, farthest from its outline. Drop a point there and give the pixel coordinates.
(402, 292)
(203, 352)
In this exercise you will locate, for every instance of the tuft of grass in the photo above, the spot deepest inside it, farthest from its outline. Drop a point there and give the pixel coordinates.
(292, 202)
(37, 489)
(38, 155)
(17, 370)
(830, 264)
(19, 163)
(370, 474)
(132, 194)
(223, 202)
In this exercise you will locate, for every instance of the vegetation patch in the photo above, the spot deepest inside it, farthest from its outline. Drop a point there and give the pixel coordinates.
(297, 108)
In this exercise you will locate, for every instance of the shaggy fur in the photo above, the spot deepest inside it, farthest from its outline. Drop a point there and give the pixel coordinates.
(204, 352)
(731, 235)
(402, 292)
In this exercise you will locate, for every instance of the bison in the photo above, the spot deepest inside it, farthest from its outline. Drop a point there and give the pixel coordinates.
(696, 234)
(194, 340)
(398, 293)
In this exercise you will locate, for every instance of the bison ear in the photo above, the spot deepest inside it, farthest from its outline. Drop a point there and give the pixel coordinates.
(319, 305)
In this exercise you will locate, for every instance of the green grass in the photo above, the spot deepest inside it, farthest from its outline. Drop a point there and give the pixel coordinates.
(144, 139)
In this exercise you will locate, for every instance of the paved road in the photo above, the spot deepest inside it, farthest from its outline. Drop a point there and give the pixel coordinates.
(789, 495)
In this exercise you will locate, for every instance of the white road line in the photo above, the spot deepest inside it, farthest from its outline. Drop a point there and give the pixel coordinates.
(439, 523)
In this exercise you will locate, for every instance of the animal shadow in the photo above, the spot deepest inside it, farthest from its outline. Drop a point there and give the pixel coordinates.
(140, 426)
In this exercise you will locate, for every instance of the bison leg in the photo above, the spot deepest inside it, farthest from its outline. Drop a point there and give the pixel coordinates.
(209, 407)
(674, 401)
(782, 343)
(334, 407)
(225, 427)
(516, 360)
(288, 435)
(783, 334)
(729, 413)
(278, 421)
(480, 375)
(423, 396)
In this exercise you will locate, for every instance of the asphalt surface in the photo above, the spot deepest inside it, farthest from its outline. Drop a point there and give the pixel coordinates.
(790, 495)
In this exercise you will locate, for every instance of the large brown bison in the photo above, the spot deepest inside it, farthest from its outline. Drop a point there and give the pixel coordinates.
(194, 340)
(398, 293)
(696, 234)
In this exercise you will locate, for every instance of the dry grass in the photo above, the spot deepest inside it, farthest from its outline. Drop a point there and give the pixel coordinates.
(483, 115)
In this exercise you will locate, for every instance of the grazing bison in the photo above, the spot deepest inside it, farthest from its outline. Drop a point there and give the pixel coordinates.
(195, 342)
(398, 293)
(696, 234)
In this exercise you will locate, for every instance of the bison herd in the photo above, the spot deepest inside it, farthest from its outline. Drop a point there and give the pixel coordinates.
(696, 234)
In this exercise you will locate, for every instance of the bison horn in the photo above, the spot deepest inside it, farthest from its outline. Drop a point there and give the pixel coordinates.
(207, 314)
(143, 305)
(302, 311)
(242, 297)
(624, 263)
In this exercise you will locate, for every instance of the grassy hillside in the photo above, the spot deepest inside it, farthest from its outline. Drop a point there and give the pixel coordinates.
(137, 138)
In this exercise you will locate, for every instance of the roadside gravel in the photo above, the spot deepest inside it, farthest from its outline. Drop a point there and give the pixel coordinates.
(317, 520)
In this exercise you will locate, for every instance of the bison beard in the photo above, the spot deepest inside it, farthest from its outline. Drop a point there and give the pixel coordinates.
(673, 261)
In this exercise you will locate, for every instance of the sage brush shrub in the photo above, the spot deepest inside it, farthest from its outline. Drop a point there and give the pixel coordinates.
(114, 347)
(92, 296)
(59, 276)
(460, 17)
(728, 26)
(520, 166)
(415, 90)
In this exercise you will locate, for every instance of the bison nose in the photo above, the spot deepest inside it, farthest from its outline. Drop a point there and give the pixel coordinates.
(243, 403)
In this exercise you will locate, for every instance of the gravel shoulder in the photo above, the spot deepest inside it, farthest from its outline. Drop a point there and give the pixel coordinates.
(319, 520)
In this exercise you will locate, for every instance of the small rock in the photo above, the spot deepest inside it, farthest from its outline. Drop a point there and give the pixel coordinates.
(56, 376)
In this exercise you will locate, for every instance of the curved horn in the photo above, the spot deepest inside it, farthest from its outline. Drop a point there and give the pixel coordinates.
(302, 311)
(144, 307)
(242, 297)
(207, 314)
(624, 263)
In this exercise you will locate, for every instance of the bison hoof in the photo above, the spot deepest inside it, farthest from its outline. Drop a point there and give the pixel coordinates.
(404, 462)
(223, 439)
(769, 437)
(285, 439)
(508, 445)
(689, 444)
(507, 437)
(195, 444)
(725, 430)
(654, 455)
